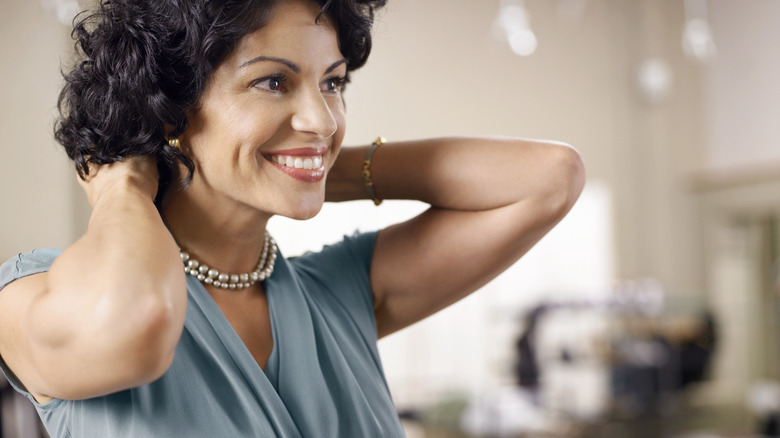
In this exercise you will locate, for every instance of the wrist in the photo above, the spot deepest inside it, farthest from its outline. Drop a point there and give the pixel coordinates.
(367, 173)
(345, 182)
(132, 176)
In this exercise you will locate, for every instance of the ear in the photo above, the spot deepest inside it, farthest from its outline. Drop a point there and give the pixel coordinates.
(173, 137)
(168, 129)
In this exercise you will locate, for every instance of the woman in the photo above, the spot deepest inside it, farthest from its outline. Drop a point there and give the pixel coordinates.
(192, 123)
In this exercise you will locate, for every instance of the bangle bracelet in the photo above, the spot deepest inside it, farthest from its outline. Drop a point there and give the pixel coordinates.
(369, 183)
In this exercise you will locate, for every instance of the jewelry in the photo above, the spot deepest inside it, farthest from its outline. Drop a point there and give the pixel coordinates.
(369, 183)
(213, 277)
(174, 143)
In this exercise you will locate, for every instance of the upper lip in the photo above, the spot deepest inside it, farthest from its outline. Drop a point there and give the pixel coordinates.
(300, 152)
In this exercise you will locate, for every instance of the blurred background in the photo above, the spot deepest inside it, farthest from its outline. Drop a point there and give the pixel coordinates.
(652, 310)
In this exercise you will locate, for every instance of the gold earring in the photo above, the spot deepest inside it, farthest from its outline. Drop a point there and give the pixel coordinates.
(174, 143)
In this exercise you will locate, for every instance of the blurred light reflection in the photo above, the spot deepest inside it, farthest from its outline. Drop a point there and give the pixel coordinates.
(513, 26)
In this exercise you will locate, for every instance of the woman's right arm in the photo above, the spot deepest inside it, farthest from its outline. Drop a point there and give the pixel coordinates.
(108, 314)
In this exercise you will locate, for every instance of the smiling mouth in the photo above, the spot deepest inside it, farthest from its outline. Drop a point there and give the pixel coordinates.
(305, 165)
(297, 162)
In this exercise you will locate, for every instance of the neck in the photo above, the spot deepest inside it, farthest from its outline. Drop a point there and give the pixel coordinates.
(228, 239)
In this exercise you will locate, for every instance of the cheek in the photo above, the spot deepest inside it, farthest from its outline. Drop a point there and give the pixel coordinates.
(205, 132)
(233, 136)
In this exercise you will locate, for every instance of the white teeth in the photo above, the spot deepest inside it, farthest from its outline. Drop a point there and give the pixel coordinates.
(308, 163)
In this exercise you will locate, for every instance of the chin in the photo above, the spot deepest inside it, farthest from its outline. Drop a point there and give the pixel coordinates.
(303, 212)
(304, 216)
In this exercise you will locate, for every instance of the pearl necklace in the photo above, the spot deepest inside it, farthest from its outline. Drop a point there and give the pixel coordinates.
(213, 277)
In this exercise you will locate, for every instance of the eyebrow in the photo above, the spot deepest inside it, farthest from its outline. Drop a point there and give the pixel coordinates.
(336, 64)
(291, 65)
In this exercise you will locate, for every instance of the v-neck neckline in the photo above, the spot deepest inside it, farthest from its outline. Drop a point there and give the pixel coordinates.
(263, 383)
(230, 337)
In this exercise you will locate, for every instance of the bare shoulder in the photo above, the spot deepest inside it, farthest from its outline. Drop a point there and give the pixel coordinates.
(16, 299)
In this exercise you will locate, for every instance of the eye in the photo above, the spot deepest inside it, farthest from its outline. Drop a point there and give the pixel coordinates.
(334, 84)
(276, 83)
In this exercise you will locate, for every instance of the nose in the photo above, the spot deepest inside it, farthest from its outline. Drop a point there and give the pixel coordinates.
(312, 114)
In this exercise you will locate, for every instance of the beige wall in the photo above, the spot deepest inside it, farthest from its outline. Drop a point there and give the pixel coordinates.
(435, 69)
(742, 103)
(37, 186)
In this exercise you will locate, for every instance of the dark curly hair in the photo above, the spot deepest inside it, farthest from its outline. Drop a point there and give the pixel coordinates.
(145, 64)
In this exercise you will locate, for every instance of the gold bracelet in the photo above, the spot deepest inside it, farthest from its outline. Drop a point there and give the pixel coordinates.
(367, 170)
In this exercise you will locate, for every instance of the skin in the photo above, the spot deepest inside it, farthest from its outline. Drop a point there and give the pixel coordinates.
(107, 317)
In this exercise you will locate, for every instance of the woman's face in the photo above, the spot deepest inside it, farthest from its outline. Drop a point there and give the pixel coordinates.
(271, 121)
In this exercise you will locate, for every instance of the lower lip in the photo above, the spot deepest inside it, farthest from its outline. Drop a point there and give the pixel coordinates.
(305, 175)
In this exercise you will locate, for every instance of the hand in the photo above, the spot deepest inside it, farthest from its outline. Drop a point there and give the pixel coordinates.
(135, 173)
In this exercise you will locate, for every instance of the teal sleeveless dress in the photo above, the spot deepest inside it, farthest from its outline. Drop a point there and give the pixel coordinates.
(323, 378)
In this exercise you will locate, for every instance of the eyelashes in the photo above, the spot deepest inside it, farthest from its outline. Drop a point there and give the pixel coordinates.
(276, 82)
(335, 83)
(279, 83)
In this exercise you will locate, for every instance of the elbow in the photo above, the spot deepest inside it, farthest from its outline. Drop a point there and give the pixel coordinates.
(119, 341)
(151, 348)
(573, 175)
(567, 171)
(140, 346)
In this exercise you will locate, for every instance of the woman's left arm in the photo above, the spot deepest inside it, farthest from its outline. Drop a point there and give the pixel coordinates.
(491, 200)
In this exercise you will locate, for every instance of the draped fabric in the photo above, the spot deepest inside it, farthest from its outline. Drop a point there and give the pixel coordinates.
(323, 378)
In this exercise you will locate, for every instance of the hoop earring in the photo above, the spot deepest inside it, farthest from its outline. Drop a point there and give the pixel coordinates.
(175, 143)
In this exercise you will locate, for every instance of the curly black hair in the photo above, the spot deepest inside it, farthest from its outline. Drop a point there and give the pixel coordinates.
(145, 64)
